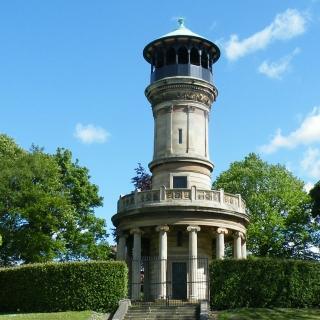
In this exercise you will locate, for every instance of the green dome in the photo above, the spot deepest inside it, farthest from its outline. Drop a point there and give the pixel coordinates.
(181, 31)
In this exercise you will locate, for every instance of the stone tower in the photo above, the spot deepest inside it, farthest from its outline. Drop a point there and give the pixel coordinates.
(179, 225)
(181, 93)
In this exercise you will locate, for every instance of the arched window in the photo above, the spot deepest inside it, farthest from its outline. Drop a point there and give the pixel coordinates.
(159, 58)
(204, 59)
(171, 56)
(194, 57)
(183, 55)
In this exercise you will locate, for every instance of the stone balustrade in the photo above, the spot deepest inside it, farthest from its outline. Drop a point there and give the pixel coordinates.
(193, 196)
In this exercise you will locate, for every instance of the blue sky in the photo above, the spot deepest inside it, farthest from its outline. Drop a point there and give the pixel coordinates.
(72, 75)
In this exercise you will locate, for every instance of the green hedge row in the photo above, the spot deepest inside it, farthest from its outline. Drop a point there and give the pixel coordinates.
(63, 286)
(264, 283)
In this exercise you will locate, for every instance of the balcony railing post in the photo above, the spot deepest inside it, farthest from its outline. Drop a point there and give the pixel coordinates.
(193, 193)
(239, 200)
(221, 196)
(136, 200)
(162, 193)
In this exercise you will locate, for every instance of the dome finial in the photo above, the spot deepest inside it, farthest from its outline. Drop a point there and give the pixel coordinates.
(181, 21)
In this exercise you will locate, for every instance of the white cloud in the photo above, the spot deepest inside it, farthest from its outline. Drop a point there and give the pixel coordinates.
(91, 134)
(311, 163)
(308, 186)
(286, 25)
(307, 133)
(275, 70)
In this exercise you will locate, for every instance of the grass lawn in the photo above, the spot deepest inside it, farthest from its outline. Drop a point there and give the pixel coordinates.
(270, 314)
(81, 315)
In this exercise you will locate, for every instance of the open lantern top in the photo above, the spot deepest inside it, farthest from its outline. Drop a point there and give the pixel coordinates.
(181, 53)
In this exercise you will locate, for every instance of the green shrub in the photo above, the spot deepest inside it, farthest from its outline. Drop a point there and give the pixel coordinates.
(264, 283)
(74, 286)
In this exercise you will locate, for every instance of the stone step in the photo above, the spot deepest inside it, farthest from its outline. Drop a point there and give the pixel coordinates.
(163, 310)
(153, 311)
(157, 316)
(164, 313)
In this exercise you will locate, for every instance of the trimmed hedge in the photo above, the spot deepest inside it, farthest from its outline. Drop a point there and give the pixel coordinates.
(264, 283)
(52, 287)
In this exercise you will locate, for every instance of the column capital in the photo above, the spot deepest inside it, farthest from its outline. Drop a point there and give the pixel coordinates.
(238, 234)
(169, 109)
(189, 109)
(164, 228)
(135, 231)
(193, 228)
(222, 230)
(121, 233)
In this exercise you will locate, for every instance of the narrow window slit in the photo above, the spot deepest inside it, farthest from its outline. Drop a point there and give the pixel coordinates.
(180, 136)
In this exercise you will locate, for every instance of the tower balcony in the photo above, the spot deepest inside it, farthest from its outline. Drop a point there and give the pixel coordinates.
(193, 197)
(189, 70)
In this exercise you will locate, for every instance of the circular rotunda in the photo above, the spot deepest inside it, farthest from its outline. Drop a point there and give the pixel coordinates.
(170, 233)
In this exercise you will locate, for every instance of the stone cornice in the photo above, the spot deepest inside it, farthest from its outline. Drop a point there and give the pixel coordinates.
(173, 159)
(182, 89)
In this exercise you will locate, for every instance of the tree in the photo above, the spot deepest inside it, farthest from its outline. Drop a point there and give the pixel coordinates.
(8, 147)
(281, 224)
(315, 196)
(46, 207)
(142, 180)
(84, 197)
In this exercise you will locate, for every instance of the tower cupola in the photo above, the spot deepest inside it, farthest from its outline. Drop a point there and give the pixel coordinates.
(181, 53)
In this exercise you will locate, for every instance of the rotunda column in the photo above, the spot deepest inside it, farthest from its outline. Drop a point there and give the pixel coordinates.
(121, 246)
(193, 258)
(136, 264)
(220, 242)
(163, 255)
(237, 250)
(244, 247)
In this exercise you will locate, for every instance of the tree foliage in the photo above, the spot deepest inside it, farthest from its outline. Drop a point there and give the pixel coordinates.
(281, 224)
(315, 196)
(142, 180)
(47, 207)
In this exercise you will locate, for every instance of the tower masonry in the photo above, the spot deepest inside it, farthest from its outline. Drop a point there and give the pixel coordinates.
(177, 227)
(181, 94)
